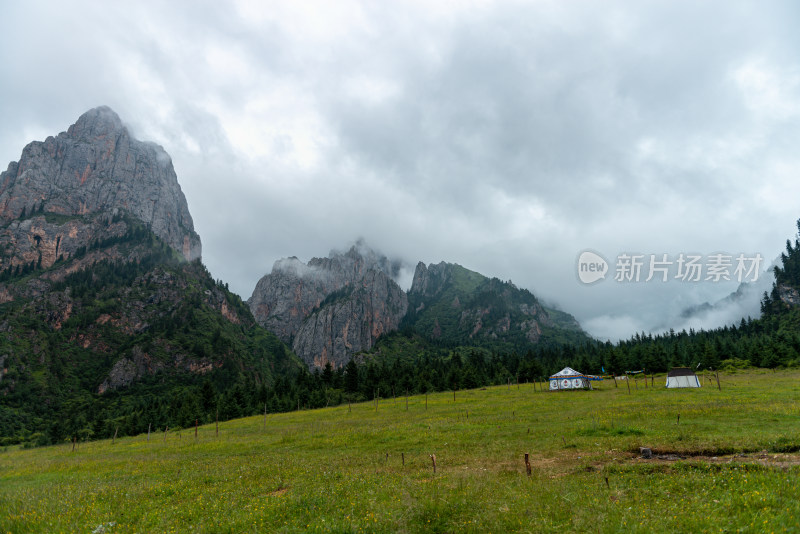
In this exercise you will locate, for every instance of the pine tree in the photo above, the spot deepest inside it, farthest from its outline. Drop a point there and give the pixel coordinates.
(327, 374)
(208, 396)
(351, 377)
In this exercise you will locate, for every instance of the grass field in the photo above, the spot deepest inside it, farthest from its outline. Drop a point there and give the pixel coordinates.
(730, 465)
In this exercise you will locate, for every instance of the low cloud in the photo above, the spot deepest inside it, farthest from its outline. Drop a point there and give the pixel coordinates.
(506, 137)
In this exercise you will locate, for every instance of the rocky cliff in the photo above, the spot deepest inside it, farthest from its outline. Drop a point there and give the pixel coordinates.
(63, 191)
(332, 307)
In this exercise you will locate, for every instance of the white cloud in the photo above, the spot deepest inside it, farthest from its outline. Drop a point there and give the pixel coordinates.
(769, 92)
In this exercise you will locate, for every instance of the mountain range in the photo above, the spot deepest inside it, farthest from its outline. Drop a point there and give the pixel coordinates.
(331, 308)
(109, 319)
(110, 322)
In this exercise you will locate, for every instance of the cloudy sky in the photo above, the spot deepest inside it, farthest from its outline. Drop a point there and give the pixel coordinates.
(504, 136)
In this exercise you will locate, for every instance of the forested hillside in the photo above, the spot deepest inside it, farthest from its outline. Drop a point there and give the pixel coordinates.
(120, 345)
(453, 306)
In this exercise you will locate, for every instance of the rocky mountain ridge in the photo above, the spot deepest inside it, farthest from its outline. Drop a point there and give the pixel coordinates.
(332, 307)
(63, 189)
(452, 304)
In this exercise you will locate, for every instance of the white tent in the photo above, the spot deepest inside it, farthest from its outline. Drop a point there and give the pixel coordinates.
(569, 378)
(682, 377)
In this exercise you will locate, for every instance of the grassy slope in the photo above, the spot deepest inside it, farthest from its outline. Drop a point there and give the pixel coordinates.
(327, 470)
(476, 291)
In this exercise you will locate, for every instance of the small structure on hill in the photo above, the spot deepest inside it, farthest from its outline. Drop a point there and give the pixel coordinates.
(682, 377)
(569, 378)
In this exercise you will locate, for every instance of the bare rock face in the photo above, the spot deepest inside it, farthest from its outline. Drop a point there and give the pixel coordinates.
(284, 298)
(330, 308)
(789, 295)
(39, 240)
(431, 280)
(60, 190)
(353, 323)
(128, 369)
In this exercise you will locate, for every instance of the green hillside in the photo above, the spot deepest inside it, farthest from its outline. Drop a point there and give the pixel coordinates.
(122, 332)
(465, 308)
(724, 461)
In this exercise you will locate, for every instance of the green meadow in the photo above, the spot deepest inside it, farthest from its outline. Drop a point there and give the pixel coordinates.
(729, 463)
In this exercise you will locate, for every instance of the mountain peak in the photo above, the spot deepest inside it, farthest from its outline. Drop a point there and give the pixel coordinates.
(332, 307)
(96, 170)
(363, 258)
(99, 121)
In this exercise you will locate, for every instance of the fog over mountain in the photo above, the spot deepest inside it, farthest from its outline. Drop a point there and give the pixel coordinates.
(506, 137)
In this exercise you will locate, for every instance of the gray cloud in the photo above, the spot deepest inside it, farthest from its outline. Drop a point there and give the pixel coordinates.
(503, 136)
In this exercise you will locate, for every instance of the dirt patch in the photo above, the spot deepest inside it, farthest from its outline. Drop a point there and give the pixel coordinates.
(762, 458)
(278, 492)
(609, 461)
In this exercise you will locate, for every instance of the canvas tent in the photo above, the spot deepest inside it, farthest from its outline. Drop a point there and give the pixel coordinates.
(569, 378)
(682, 377)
